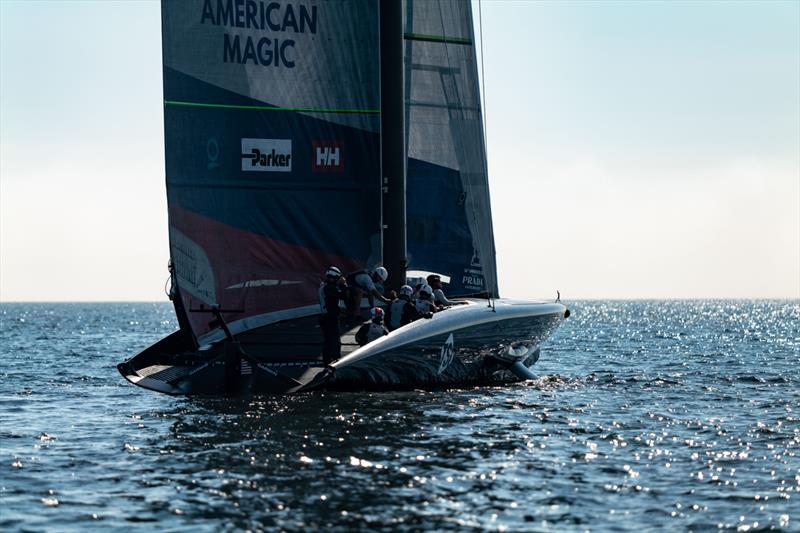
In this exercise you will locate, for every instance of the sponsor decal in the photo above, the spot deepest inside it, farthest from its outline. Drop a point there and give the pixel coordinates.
(259, 32)
(476, 260)
(267, 155)
(327, 156)
(212, 153)
(446, 355)
(472, 278)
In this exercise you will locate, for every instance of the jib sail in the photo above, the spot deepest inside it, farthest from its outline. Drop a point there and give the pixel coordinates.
(449, 220)
(271, 118)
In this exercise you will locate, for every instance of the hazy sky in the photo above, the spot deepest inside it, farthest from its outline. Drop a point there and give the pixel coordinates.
(636, 150)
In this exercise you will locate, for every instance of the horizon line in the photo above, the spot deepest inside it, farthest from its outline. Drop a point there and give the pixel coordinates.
(647, 298)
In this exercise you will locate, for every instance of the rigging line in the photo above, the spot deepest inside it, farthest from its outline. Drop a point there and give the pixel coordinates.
(483, 80)
(483, 97)
(167, 291)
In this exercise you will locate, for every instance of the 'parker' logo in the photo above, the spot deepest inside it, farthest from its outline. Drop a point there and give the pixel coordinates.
(327, 156)
(267, 155)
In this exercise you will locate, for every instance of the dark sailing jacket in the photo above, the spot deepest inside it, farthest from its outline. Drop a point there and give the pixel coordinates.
(329, 296)
(369, 331)
(402, 311)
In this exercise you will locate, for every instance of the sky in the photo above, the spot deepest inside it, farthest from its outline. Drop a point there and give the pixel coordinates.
(636, 149)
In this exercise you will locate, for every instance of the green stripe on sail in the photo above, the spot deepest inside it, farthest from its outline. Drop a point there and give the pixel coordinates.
(436, 38)
(271, 108)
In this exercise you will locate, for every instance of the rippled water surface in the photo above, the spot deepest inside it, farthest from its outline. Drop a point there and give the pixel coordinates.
(681, 415)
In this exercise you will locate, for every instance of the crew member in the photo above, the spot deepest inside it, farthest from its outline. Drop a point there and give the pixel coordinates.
(402, 311)
(331, 292)
(372, 329)
(435, 281)
(362, 282)
(415, 294)
(425, 303)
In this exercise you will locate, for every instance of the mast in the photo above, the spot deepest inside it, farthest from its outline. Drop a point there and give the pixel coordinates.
(393, 149)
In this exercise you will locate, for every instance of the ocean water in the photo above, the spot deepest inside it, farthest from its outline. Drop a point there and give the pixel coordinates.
(646, 415)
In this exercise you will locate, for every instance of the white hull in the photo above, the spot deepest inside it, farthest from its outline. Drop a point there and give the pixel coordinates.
(466, 343)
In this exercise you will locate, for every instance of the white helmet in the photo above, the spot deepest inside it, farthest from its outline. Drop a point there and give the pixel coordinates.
(381, 272)
(426, 290)
(406, 290)
(333, 272)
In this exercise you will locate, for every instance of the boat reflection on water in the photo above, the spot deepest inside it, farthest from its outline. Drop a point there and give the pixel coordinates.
(288, 462)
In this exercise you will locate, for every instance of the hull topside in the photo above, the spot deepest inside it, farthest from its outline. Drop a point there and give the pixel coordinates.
(464, 344)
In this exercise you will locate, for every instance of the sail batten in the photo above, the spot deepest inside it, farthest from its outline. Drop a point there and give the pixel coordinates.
(270, 108)
(437, 38)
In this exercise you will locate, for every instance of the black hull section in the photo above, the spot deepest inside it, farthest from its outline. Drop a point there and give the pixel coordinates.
(420, 373)
(272, 359)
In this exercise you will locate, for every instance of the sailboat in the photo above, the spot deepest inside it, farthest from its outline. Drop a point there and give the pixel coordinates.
(300, 135)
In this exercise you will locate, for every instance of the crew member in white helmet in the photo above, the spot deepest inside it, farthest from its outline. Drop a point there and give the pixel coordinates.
(402, 311)
(424, 301)
(361, 283)
(331, 292)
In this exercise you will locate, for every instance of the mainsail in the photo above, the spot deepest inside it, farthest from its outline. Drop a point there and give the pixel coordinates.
(272, 119)
(449, 220)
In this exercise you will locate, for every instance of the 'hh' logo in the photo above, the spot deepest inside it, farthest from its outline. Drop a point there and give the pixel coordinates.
(267, 155)
(327, 156)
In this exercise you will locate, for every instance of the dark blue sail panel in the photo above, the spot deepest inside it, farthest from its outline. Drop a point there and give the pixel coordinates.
(438, 230)
(274, 207)
(447, 169)
(272, 150)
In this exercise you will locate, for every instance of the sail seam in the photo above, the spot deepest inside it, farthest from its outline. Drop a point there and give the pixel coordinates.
(436, 38)
(270, 108)
(260, 186)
